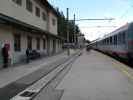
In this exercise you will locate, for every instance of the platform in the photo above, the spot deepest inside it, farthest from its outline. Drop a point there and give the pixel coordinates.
(95, 76)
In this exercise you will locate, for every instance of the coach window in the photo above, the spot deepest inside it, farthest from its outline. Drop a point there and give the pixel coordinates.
(123, 37)
(107, 40)
(119, 38)
(115, 39)
(110, 40)
(104, 41)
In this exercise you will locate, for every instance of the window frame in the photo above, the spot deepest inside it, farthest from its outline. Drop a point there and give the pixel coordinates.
(37, 11)
(123, 37)
(110, 40)
(53, 21)
(44, 16)
(29, 5)
(17, 42)
(115, 39)
(38, 43)
(29, 42)
(44, 44)
(18, 2)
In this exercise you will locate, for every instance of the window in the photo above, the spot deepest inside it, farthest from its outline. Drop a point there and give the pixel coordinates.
(29, 5)
(38, 43)
(107, 40)
(17, 42)
(29, 42)
(115, 39)
(44, 16)
(53, 21)
(19, 2)
(123, 37)
(110, 40)
(44, 43)
(37, 12)
(119, 38)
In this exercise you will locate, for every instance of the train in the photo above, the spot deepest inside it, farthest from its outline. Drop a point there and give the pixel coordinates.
(118, 43)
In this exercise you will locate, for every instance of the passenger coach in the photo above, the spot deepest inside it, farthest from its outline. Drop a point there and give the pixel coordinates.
(118, 43)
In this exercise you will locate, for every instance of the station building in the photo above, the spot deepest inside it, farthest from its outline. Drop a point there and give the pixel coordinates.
(28, 24)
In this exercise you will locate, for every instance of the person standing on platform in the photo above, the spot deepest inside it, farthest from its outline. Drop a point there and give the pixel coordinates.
(27, 55)
(5, 56)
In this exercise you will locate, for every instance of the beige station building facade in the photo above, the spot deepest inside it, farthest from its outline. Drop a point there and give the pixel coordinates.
(28, 23)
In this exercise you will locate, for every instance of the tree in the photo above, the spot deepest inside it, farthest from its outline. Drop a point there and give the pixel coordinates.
(62, 27)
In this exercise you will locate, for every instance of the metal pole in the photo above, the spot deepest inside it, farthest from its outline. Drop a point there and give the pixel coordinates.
(74, 30)
(67, 25)
(68, 52)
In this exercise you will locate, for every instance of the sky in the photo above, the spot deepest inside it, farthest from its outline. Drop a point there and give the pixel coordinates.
(120, 10)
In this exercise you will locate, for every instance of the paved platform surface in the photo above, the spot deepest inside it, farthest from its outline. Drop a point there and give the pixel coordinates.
(95, 76)
(12, 74)
(13, 80)
(49, 92)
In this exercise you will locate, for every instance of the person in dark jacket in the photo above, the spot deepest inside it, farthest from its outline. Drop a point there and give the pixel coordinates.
(5, 56)
(27, 55)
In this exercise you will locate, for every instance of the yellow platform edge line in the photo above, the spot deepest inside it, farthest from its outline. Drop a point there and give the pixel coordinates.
(124, 70)
(119, 65)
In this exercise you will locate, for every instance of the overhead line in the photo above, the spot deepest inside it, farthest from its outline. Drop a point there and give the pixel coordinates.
(91, 19)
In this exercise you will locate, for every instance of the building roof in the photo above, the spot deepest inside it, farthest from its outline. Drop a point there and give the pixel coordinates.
(49, 7)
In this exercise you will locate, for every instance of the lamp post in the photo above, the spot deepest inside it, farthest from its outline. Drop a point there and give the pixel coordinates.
(68, 52)
(74, 30)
